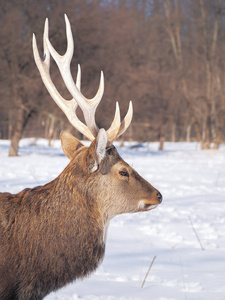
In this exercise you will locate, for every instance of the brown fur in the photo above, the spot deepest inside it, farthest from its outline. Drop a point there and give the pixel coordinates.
(53, 234)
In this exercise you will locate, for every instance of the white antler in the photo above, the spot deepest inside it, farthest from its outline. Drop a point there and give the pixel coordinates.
(88, 106)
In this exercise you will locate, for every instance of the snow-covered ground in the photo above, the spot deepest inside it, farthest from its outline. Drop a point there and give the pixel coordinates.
(186, 232)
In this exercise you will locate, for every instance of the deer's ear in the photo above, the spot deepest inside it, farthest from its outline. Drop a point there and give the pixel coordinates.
(100, 146)
(98, 150)
(69, 144)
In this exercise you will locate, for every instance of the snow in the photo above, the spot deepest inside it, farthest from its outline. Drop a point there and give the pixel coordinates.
(186, 232)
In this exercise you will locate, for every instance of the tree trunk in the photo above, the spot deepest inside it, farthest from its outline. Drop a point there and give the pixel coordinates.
(18, 130)
(161, 136)
(217, 139)
(161, 143)
(51, 129)
(188, 133)
(22, 115)
(173, 138)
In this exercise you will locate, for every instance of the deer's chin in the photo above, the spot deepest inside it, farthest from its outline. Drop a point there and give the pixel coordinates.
(143, 205)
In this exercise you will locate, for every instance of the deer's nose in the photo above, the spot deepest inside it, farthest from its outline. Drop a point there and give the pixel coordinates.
(159, 196)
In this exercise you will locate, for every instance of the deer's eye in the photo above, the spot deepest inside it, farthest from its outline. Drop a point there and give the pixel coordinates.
(124, 173)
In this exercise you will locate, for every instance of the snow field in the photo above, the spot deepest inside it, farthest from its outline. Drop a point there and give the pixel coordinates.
(186, 232)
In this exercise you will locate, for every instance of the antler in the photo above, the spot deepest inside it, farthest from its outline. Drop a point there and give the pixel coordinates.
(88, 106)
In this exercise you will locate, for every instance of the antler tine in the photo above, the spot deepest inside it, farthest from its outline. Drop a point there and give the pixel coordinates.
(88, 106)
(78, 80)
(115, 126)
(68, 107)
(118, 128)
(127, 120)
(46, 51)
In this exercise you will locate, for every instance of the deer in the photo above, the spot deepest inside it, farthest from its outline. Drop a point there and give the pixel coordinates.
(53, 234)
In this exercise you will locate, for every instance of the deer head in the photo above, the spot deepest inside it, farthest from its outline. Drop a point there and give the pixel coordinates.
(116, 187)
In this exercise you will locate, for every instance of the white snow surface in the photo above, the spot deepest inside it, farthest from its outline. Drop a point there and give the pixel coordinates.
(186, 232)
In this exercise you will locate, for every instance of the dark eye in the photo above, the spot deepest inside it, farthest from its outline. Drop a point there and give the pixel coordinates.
(124, 173)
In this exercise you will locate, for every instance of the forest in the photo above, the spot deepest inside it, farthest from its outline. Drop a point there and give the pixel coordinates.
(167, 56)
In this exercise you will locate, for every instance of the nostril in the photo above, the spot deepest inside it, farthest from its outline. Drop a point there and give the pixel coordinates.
(159, 196)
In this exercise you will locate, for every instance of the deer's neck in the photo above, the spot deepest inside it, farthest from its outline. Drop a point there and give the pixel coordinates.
(77, 229)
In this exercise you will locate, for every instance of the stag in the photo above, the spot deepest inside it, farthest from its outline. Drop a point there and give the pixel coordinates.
(53, 234)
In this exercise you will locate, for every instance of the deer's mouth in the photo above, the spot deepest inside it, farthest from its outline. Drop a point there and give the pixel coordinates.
(150, 206)
(143, 205)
